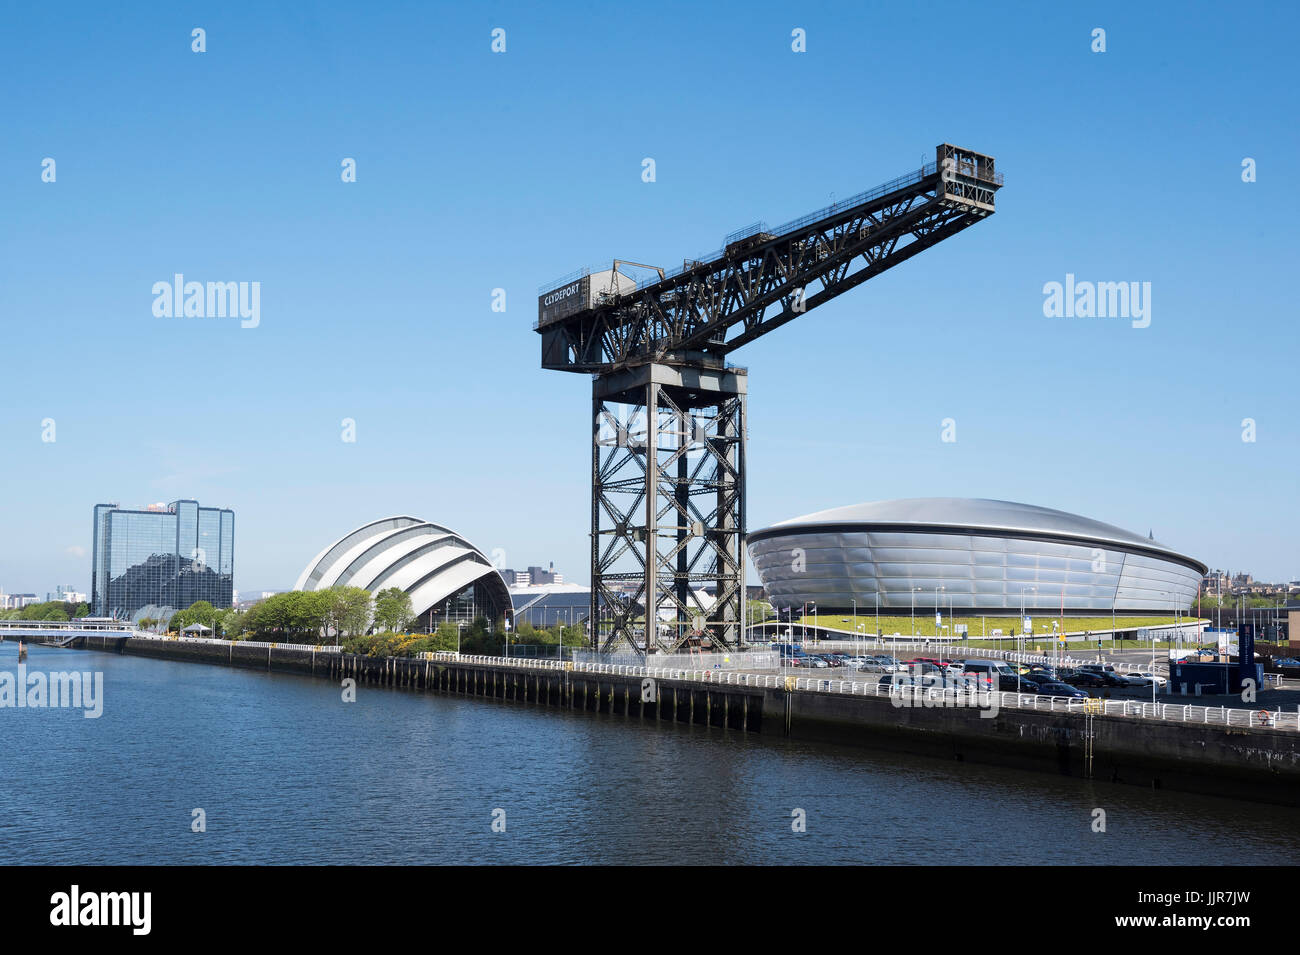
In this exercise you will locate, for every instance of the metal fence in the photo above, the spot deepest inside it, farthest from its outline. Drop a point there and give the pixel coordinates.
(923, 695)
(747, 660)
(240, 643)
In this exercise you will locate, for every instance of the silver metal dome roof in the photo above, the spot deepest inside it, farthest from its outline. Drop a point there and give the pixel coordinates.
(958, 514)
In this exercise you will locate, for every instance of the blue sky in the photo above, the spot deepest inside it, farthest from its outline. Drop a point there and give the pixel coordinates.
(478, 170)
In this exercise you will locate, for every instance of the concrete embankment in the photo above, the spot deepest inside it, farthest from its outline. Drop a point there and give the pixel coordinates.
(1258, 763)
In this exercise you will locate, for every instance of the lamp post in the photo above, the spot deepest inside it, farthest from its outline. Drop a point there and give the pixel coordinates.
(938, 611)
(914, 591)
(1020, 628)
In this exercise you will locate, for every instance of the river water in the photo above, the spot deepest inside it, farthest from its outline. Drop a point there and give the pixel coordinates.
(285, 771)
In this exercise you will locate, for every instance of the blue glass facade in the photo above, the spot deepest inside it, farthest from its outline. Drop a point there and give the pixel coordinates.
(169, 557)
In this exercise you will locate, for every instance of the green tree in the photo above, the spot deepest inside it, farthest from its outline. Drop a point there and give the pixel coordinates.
(201, 612)
(393, 609)
(347, 610)
(232, 623)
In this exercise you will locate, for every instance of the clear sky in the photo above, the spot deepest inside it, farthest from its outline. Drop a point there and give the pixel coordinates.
(478, 170)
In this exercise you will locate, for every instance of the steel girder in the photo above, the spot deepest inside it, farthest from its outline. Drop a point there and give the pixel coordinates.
(668, 479)
(763, 281)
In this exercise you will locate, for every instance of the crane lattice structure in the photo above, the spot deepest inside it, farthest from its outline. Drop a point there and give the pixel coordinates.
(668, 411)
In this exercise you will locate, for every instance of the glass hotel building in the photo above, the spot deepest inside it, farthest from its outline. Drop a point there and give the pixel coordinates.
(168, 556)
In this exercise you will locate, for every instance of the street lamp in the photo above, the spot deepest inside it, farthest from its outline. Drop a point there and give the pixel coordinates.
(1020, 628)
(914, 591)
(938, 611)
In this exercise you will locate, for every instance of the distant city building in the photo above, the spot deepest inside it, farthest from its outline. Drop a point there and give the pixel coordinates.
(1216, 582)
(168, 555)
(14, 601)
(67, 595)
(543, 575)
(532, 577)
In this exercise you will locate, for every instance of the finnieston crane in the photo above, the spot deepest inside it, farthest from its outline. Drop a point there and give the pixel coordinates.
(668, 412)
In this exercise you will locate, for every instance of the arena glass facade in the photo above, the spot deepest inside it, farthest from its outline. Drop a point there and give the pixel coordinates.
(968, 555)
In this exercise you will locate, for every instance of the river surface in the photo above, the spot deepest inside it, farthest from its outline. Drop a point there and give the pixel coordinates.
(287, 772)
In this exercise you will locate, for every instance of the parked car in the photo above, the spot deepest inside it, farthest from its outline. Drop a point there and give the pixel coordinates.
(985, 670)
(1146, 679)
(1105, 672)
(1063, 691)
(1108, 672)
(1037, 679)
(1133, 679)
(1016, 683)
(1081, 678)
(924, 669)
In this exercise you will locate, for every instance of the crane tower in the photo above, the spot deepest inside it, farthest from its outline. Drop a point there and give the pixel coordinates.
(668, 411)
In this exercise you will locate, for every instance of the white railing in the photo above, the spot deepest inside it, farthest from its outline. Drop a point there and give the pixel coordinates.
(915, 695)
(65, 626)
(239, 643)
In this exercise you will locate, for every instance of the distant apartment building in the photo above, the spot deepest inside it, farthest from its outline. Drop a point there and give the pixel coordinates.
(15, 601)
(164, 555)
(543, 575)
(67, 595)
(1216, 582)
(532, 577)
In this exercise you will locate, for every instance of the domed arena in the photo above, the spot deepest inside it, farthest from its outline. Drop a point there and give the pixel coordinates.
(447, 577)
(969, 555)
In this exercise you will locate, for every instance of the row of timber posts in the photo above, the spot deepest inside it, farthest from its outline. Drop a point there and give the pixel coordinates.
(731, 707)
